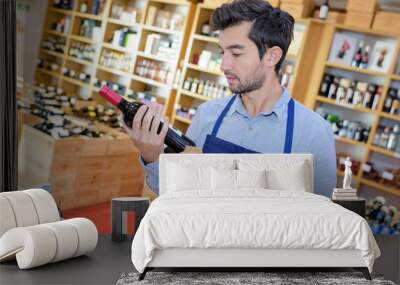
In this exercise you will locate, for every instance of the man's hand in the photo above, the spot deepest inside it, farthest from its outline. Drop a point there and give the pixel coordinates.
(144, 131)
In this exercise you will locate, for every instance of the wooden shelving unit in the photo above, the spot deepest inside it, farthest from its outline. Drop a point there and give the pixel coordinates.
(313, 99)
(108, 25)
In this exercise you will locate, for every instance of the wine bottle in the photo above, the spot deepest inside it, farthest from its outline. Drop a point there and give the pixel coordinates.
(175, 141)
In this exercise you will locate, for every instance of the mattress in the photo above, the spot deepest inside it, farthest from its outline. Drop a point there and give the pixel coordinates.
(250, 219)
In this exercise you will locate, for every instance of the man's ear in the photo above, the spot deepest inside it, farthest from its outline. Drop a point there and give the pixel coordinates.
(273, 56)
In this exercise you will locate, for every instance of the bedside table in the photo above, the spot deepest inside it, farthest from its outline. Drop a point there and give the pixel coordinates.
(356, 205)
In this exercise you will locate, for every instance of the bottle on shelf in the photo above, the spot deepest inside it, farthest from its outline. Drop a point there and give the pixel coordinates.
(358, 55)
(324, 10)
(175, 141)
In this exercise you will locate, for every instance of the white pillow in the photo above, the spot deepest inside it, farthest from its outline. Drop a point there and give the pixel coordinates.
(251, 178)
(183, 177)
(285, 174)
(226, 179)
(223, 179)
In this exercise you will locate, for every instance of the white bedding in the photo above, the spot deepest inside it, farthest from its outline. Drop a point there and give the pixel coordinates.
(251, 218)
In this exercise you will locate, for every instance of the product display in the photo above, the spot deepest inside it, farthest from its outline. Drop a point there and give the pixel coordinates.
(82, 76)
(114, 86)
(353, 130)
(154, 70)
(175, 141)
(392, 102)
(116, 60)
(100, 113)
(82, 51)
(205, 88)
(125, 37)
(388, 137)
(63, 4)
(184, 112)
(356, 93)
(382, 218)
(390, 177)
(48, 65)
(126, 14)
(285, 75)
(62, 25)
(161, 46)
(208, 60)
(164, 19)
(56, 44)
(89, 29)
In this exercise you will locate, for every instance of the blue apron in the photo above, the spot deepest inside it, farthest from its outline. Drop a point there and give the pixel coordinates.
(216, 145)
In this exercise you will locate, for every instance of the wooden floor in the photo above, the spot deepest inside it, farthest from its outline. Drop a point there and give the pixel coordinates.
(100, 215)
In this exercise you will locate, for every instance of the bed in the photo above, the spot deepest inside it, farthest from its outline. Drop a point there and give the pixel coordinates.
(247, 211)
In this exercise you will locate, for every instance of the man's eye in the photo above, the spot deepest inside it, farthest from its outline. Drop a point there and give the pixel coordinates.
(236, 54)
(221, 52)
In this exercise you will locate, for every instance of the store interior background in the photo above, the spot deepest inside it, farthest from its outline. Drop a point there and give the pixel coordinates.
(83, 174)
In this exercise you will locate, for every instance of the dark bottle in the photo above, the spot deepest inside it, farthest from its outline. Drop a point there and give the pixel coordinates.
(323, 90)
(333, 88)
(175, 141)
(358, 56)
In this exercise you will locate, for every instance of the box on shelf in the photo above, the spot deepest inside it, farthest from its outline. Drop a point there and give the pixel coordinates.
(359, 20)
(298, 11)
(362, 6)
(387, 22)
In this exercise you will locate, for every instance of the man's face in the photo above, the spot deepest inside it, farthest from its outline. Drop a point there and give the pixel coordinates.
(241, 63)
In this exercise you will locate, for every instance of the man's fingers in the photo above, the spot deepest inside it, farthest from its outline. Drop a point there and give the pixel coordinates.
(156, 121)
(148, 117)
(137, 120)
(164, 130)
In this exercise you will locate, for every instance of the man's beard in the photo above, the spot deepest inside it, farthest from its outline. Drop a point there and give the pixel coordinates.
(250, 85)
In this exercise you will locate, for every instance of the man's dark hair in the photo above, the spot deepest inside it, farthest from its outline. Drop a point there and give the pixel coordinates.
(271, 26)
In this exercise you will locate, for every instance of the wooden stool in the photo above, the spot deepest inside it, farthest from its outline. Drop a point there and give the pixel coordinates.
(119, 207)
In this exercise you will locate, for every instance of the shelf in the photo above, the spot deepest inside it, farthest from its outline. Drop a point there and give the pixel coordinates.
(380, 187)
(390, 116)
(384, 151)
(396, 77)
(355, 69)
(88, 16)
(74, 81)
(344, 105)
(150, 81)
(82, 39)
(366, 31)
(194, 95)
(51, 32)
(349, 141)
(155, 57)
(117, 48)
(61, 11)
(183, 120)
(196, 67)
(161, 30)
(122, 23)
(48, 72)
(171, 2)
(206, 38)
(53, 53)
(113, 71)
(78, 60)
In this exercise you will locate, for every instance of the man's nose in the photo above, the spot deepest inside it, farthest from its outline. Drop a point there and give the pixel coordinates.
(226, 63)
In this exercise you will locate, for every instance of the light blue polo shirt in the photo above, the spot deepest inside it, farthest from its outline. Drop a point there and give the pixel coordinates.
(265, 133)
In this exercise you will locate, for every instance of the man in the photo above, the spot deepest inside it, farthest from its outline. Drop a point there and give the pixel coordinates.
(260, 116)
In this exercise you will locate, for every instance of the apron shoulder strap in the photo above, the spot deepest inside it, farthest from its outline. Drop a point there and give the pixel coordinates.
(221, 117)
(289, 127)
